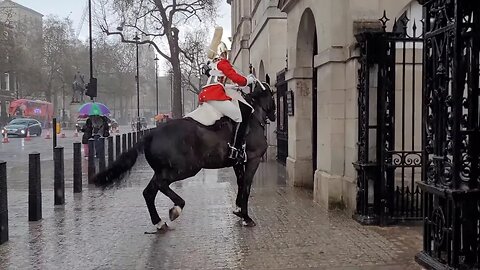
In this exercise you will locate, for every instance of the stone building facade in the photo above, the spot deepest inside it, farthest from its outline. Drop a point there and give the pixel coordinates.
(321, 71)
(24, 31)
(258, 39)
(6, 49)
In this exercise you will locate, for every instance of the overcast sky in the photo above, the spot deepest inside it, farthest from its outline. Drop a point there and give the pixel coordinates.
(74, 9)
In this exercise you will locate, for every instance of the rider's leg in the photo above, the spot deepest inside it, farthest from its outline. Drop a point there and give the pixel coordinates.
(227, 108)
(241, 130)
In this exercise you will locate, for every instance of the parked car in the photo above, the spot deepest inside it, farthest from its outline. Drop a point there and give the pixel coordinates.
(113, 124)
(143, 122)
(81, 120)
(20, 126)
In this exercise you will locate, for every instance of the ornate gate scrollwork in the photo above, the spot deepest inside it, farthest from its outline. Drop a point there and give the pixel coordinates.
(389, 145)
(451, 135)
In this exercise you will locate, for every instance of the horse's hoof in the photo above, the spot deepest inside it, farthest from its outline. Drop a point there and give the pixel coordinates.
(162, 228)
(174, 212)
(249, 223)
(238, 213)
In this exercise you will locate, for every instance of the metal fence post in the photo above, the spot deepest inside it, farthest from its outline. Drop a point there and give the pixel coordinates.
(91, 159)
(129, 141)
(117, 146)
(77, 167)
(59, 176)
(3, 203)
(110, 150)
(101, 154)
(134, 138)
(34, 187)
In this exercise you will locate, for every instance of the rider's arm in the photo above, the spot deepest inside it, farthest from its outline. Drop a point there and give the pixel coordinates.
(227, 69)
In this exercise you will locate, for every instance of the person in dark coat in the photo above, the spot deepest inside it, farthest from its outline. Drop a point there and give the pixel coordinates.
(87, 130)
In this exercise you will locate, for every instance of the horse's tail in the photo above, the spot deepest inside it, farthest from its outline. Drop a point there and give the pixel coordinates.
(115, 172)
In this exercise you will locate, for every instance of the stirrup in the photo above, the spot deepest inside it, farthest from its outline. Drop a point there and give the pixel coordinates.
(233, 152)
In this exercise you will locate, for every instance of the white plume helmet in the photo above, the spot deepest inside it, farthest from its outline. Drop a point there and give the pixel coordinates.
(216, 41)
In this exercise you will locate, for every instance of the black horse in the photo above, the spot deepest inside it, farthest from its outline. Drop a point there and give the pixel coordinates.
(180, 148)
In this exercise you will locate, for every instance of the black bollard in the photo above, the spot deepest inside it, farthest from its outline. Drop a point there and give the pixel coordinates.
(58, 176)
(110, 150)
(124, 143)
(54, 134)
(91, 159)
(101, 154)
(117, 146)
(129, 141)
(77, 167)
(34, 187)
(3, 203)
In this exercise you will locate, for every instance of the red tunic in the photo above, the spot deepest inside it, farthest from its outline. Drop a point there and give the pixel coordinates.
(216, 91)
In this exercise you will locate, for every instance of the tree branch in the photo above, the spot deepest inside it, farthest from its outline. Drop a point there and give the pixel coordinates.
(106, 31)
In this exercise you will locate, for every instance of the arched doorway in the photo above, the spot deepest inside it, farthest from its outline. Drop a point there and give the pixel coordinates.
(306, 49)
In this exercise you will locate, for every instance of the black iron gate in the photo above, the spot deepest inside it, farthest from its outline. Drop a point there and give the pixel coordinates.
(451, 135)
(389, 124)
(282, 118)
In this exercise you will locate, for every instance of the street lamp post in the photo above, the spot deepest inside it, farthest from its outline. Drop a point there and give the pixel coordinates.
(63, 102)
(156, 79)
(136, 38)
(93, 81)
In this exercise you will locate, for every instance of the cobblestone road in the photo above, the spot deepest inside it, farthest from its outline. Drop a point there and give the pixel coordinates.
(105, 230)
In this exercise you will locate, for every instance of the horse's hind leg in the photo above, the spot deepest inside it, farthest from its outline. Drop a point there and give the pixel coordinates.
(179, 203)
(149, 193)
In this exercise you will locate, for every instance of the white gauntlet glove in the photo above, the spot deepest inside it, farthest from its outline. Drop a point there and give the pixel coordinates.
(251, 79)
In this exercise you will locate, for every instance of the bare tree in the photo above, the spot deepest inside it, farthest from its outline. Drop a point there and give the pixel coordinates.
(192, 62)
(57, 55)
(160, 21)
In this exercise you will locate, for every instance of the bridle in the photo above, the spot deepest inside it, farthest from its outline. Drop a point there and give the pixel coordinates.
(251, 101)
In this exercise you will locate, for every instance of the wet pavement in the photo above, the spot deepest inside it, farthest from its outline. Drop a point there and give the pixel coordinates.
(16, 152)
(105, 230)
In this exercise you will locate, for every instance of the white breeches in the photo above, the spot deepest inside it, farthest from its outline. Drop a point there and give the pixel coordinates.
(230, 108)
(227, 108)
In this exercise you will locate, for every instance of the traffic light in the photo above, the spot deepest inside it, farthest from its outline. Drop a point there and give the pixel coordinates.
(92, 88)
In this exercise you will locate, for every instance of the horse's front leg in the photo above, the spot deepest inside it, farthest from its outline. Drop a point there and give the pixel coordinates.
(250, 169)
(240, 174)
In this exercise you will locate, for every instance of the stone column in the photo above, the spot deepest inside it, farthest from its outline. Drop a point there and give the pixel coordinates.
(299, 161)
(331, 127)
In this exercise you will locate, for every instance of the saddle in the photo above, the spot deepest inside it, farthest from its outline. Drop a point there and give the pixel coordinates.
(205, 114)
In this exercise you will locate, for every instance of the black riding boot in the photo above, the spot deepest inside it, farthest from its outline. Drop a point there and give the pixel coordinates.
(237, 150)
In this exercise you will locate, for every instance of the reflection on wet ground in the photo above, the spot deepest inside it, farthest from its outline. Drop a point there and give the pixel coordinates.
(105, 230)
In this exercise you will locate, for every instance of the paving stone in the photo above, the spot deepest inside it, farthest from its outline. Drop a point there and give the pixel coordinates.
(105, 230)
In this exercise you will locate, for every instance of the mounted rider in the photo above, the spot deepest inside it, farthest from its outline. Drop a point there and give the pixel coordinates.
(227, 101)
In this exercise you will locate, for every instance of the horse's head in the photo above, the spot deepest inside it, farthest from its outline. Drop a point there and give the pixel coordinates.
(264, 100)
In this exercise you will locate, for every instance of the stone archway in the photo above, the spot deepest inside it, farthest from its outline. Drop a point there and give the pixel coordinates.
(301, 162)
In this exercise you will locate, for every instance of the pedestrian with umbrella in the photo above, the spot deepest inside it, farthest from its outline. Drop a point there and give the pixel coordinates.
(87, 130)
(96, 113)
